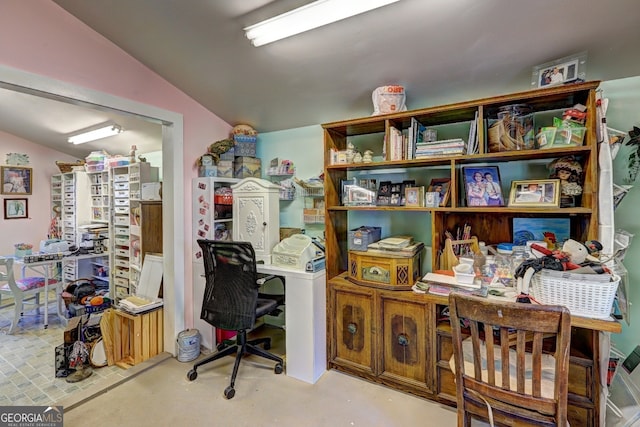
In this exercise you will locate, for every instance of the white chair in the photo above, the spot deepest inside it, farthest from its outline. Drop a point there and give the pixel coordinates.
(23, 291)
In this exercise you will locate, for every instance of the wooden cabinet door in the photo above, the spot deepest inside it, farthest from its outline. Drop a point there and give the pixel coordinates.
(405, 341)
(353, 329)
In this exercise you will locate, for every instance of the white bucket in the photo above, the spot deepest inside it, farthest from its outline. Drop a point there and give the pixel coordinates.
(188, 345)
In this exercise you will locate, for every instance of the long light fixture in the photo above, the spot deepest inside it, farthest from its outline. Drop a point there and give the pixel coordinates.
(93, 134)
(308, 17)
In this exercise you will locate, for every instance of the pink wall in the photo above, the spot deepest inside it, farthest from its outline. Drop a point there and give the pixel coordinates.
(39, 37)
(42, 162)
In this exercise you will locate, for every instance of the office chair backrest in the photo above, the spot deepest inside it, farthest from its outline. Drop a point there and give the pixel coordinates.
(231, 290)
(505, 368)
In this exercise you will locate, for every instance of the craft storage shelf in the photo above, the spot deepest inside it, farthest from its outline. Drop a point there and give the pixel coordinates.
(56, 206)
(126, 233)
(100, 203)
(287, 192)
(363, 339)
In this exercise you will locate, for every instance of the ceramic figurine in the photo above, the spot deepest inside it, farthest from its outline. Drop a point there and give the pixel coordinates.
(357, 158)
(368, 156)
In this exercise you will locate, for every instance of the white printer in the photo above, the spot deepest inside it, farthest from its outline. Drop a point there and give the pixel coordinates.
(294, 252)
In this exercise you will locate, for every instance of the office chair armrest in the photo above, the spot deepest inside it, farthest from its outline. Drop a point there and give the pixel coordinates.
(264, 278)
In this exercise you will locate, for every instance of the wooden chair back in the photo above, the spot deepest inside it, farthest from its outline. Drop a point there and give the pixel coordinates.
(511, 361)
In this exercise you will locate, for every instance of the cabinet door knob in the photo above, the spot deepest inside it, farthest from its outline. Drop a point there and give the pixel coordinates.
(264, 224)
(352, 328)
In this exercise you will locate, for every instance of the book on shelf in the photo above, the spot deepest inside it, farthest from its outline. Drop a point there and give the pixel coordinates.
(473, 136)
(395, 144)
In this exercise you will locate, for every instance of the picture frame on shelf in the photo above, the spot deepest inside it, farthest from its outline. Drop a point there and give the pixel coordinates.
(432, 199)
(17, 180)
(414, 196)
(16, 208)
(442, 187)
(384, 193)
(565, 70)
(542, 193)
(482, 186)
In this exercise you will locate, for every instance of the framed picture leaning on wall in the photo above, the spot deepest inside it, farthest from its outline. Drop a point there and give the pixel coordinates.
(16, 180)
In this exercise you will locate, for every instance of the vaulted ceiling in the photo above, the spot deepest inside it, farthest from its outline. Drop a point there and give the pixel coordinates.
(439, 50)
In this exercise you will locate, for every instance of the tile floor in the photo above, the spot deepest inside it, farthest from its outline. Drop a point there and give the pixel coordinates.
(27, 367)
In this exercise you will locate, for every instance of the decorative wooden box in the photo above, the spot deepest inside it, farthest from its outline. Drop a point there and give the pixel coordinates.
(385, 269)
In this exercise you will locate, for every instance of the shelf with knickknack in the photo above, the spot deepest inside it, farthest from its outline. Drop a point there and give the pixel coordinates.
(312, 191)
(282, 172)
(510, 134)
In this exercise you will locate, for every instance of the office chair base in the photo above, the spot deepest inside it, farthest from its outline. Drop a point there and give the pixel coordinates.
(241, 348)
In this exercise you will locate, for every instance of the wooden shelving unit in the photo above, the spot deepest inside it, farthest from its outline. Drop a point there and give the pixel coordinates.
(399, 338)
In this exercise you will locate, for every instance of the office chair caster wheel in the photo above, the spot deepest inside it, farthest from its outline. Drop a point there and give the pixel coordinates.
(278, 369)
(192, 375)
(229, 392)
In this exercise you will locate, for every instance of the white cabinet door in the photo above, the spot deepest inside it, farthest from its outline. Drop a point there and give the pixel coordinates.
(256, 217)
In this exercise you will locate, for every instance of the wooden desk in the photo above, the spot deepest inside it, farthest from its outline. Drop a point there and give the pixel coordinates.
(402, 339)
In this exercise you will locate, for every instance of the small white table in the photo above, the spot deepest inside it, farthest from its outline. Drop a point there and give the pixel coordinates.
(305, 321)
(43, 269)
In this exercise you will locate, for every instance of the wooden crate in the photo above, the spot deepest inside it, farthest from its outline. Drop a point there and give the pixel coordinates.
(137, 337)
(388, 270)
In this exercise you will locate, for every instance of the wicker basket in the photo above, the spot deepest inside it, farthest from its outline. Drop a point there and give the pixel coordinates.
(582, 297)
(68, 166)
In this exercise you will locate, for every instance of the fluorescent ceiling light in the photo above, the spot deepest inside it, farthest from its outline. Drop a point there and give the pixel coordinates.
(305, 18)
(95, 133)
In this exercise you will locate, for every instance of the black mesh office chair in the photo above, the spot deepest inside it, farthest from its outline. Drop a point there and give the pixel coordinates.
(231, 302)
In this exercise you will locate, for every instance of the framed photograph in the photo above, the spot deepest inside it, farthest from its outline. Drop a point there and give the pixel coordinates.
(16, 180)
(564, 70)
(553, 231)
(432, 199)
(414, 196)
(16, 208)
(535, 193)
(356, 195)
(482, 186)
(441, 186)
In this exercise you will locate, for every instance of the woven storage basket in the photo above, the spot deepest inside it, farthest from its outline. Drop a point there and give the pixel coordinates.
(582, 297)
(66, 167)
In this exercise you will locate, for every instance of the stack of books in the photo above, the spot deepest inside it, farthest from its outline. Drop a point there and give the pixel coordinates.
(442, 284)
(445, 147)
